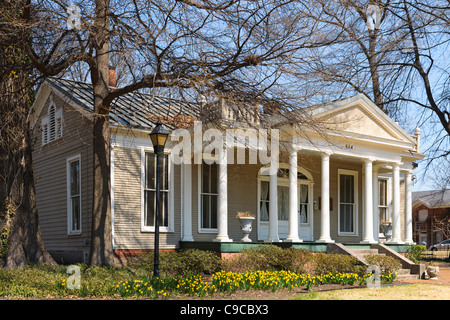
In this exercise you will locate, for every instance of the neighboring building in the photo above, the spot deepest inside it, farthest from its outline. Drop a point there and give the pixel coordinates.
(360, 160)
(431, 216)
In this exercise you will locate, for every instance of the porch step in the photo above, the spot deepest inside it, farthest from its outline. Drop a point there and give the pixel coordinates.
(409, 269)
(402, 274)
(405, 274)
(362, 253)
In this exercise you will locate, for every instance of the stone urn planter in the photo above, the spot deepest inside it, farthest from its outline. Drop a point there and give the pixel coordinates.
(433, 271)
(387, 230)
(246, 220)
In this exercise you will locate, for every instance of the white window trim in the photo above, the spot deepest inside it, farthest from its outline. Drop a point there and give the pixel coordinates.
(170, 227)
(356, 204)
(199, 183)
(70, 230)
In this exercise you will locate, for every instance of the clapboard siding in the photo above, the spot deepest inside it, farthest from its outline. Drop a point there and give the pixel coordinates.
(127, 204)
(51, 179)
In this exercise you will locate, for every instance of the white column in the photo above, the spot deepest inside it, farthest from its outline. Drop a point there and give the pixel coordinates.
(293, 199)
(408, 209)
(273, 203)
(222, 221)
(376, 218)
(187, 202)
(368, 203)
(325, 202)
(396, 237)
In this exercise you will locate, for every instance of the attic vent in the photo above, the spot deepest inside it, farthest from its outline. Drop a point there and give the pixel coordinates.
(51, 114)
(52, 124)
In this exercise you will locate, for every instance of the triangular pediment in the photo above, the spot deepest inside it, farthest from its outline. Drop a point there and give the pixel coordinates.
(360, 116)
(356, 119)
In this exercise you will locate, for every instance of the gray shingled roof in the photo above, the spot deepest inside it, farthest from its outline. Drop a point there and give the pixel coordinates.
(433, 198)
(134, 109)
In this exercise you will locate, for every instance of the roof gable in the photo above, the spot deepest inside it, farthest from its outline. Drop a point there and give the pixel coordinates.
(360, 116)
(432, 198)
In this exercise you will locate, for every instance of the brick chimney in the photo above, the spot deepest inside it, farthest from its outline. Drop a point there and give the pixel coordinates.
(112, 81)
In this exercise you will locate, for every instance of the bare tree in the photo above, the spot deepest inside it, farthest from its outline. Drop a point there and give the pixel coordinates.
(20, 235)
(441, 224)
(399, 60)
(276, 53)
(222, 49)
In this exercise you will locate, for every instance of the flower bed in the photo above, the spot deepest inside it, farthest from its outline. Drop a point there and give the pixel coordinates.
(223, 282)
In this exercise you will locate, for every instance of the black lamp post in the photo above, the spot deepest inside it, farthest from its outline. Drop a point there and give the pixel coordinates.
(159, 137)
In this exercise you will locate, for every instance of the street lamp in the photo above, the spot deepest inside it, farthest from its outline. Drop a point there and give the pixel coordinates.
(159, 137)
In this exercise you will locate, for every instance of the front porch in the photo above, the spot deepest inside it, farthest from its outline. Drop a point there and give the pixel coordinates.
(311, 199)
(336, 184)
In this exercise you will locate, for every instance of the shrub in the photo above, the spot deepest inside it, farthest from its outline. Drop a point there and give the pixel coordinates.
(192, 261)
(385, 263)
(414, 252)
(336, 263)
(183, 262)
(270, 257)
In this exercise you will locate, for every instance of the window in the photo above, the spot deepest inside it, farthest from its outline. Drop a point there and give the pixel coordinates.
(304, 203)
(383, 211)
(209, 195)
(423, 215)
(264, 201)
(52, 124)
(347, 202)
(423, 238)
(283, 202)
(74, 195)
(150, 191)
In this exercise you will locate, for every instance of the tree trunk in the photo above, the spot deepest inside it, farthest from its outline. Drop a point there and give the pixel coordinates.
(25, 241)
(21, 240)
(101, 240)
